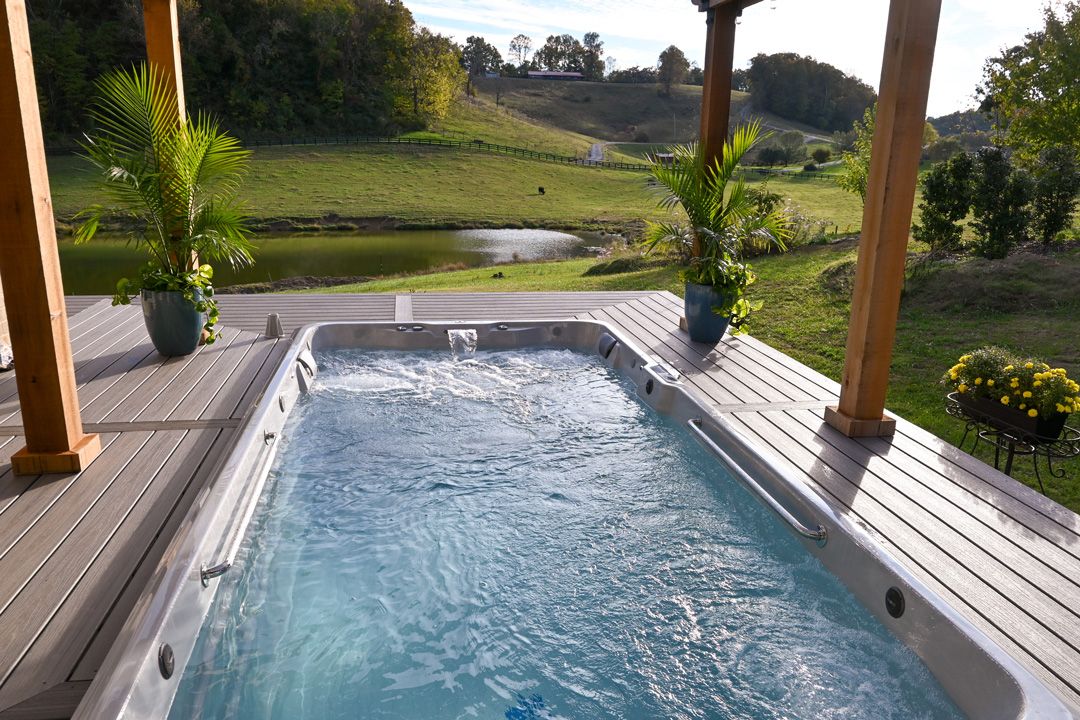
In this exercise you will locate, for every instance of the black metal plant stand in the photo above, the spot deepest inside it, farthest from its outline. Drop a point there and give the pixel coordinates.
(1014, 441)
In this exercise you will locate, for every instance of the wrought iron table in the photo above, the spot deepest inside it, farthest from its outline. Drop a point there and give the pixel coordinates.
(1014, 441)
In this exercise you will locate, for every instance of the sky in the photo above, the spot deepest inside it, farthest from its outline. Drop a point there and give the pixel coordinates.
(846, 33)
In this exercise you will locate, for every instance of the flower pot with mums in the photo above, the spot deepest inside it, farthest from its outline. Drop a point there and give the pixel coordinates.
(1025, 394)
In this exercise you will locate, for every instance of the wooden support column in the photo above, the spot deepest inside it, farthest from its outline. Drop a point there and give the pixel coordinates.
(716, 92)
(879, 275)
(163, 46)
(30, 270)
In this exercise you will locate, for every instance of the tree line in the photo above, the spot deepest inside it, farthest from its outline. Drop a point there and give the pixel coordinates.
(358, 66)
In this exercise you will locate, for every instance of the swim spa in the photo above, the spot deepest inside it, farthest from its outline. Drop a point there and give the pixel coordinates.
(541, 530)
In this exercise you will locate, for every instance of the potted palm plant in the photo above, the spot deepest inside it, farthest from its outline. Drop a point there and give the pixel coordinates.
(176, 181)
(722, 220)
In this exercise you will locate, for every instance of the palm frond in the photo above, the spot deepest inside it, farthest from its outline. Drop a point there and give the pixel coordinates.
(179, 177)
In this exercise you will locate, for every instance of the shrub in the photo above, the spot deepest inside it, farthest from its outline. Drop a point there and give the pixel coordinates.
(821, 155)
(810, 167)
(1057, 183)
(946, 199)
(999, 202)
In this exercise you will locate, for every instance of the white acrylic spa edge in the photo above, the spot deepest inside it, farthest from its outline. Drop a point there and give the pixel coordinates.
(982, 679)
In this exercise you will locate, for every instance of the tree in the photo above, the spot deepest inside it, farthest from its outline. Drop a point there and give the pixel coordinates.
(696, 76)
(1057, 183)
(946, 199)
(929, 134)
(671, 69)
(592, 56)
(999, 203)
(856, 170)
(1032, 89)
(478, 56)
(561, 52)
(805, 90)
(520, 47)
(635, 74)
(434, 77)
(821, 155)
(611, 65)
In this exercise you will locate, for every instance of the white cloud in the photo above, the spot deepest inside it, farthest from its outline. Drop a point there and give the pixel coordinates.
(846, 33)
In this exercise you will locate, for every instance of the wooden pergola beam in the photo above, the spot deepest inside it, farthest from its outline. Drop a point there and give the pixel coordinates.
(901, 114)
(704, 5)
(30, 270)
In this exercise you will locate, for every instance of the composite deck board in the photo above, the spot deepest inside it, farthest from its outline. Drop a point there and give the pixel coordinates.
(248, 312)
(170, 517)
(76, 551)
(911, 537)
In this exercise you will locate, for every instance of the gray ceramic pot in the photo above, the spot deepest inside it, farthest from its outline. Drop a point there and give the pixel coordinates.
(174, 324)
(701, 322)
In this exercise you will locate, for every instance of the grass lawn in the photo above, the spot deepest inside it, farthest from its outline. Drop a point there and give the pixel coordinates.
(416, 185)
(1030, 307)
(440, 186)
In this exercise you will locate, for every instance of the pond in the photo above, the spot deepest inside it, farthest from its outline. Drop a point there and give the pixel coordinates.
(94, 268)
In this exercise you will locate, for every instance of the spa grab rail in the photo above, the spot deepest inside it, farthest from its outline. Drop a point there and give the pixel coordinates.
(206, 574)
(821, 535)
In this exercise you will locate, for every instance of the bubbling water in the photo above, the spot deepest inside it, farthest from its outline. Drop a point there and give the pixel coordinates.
(462, 343)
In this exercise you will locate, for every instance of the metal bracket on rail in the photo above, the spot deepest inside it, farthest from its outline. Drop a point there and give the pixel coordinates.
(820, 535)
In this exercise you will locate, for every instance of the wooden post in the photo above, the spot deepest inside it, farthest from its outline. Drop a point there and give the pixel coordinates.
(716, 91)
(163, 46)
(30, 270)
(890, 194)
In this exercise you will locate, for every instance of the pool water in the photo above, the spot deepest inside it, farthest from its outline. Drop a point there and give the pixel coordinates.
(516, 536)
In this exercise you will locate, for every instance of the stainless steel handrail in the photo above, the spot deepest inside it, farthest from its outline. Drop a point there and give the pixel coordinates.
(208, 573)
(821, 535)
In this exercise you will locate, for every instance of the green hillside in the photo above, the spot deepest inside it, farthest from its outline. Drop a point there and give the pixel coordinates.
(608, 111)
(479, 119)
(618, 112)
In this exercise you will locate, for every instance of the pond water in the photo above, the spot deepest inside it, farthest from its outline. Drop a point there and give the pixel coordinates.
(95, 267)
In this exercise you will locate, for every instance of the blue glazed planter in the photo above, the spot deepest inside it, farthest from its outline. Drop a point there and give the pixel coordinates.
(701, 322)
(175, 326)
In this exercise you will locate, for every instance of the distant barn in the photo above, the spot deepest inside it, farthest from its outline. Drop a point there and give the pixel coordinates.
(554, 75)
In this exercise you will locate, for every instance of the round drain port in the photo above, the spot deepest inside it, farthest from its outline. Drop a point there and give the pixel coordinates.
(649, 387)
(166, 660)
(894, 602)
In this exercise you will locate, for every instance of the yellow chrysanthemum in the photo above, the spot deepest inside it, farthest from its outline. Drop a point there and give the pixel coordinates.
(962, 387)
(978, 381)
(1023, 406)
(1037, 383)
(1033, 412)
(989, 383)
(1027, 393)
(1060, 408)
(1004, 399)
(1029, 365)
(1008, 368)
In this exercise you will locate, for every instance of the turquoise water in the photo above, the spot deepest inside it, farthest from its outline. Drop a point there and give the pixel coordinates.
(516, 536)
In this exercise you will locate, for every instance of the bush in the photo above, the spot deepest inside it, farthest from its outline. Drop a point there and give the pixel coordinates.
(810, 167)
(946, 199)
(821, 155)
(999, 202)
(1057, 183)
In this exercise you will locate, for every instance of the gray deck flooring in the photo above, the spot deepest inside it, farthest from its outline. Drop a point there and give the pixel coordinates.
(75, 551)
